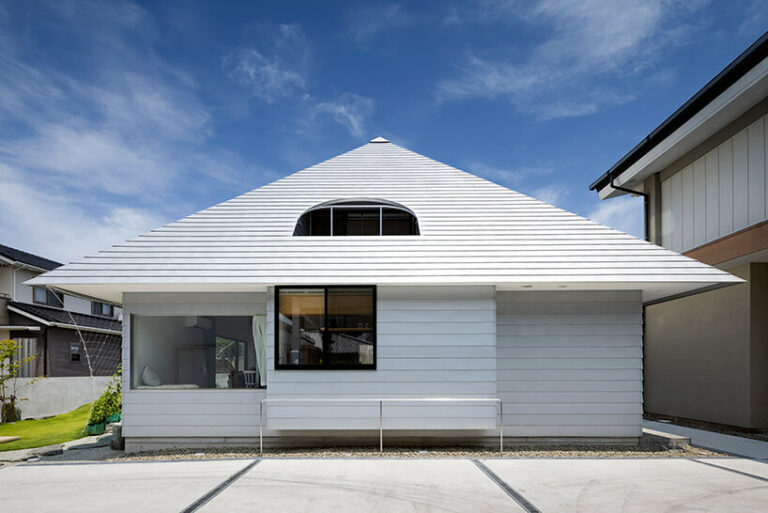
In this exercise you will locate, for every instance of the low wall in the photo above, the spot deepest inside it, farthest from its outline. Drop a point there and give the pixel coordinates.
(51, 396)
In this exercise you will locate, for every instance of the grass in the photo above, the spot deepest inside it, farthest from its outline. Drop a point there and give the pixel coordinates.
(55, 430)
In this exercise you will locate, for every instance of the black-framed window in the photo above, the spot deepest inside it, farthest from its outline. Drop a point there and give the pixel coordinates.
(325, 327)
(369, 218)
(43, 296)
(103, 309)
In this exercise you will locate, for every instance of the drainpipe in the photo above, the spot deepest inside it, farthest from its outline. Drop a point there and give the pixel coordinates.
(647, 231)
(646, 211)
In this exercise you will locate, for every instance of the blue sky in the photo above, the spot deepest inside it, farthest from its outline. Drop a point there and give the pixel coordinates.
(117, 117)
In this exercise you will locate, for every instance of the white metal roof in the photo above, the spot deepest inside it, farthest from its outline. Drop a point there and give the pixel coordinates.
(472, 232)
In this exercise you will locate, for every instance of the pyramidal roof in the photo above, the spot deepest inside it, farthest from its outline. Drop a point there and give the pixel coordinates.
(472, 232)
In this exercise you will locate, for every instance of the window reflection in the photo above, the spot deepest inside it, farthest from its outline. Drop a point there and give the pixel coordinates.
(331, 327)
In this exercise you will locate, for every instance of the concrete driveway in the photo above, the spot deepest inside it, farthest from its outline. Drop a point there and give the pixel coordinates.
(390, 485)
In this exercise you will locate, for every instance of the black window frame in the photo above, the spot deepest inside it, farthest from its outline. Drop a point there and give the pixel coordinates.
(99, 311)
(54, 299)
(304, 222)
(325, 366)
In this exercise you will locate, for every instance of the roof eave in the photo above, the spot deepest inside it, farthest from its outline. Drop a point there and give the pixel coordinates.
(738, 68)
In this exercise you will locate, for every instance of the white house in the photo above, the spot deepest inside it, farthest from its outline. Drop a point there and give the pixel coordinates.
(381, 274)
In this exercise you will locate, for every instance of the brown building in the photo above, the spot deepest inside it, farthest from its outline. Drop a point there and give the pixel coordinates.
(65, 332)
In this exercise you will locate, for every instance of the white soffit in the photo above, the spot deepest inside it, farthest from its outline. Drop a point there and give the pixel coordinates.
(472, 232)
(729, 105)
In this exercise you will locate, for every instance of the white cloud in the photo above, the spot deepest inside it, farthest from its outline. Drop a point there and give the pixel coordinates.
(507, 176)
(624, 214)
(367, 23)
(349, 110)
(64, 228)
(266, 79)
(275, 69)
(554, 194)
(99, 153)
(586, 43)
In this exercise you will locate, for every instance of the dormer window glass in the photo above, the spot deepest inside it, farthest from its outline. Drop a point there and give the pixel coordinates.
(357, 217)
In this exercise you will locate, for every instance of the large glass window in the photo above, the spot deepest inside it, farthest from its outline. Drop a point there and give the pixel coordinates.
(357, 218)
(325, 328)
(198, 351)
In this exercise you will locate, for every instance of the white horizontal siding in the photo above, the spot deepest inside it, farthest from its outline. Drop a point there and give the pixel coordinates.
(472, 232)
(431, 342)
(721, 192)
(201, 413)
(570, 363)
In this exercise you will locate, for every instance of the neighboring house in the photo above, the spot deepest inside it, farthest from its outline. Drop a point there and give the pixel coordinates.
(705, 176)
(64, 331)
(381, 274)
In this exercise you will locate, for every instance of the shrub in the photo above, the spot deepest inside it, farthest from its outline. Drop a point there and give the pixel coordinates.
(109, 403)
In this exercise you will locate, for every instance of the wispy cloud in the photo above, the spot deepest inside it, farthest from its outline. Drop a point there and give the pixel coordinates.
(507, 176)
(586, 45)
(103, 150)
(367, 23)
(276, 68)
(349, 110)
(624, 213)
(554, 194)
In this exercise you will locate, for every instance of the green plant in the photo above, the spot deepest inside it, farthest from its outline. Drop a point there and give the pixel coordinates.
(109, 403)
(10, 367)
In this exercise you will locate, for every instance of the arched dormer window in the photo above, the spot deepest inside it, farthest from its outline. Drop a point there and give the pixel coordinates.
(357, 217)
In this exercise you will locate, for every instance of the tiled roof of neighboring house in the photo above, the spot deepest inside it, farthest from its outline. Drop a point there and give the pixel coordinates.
(23, 257)
(57, 316)
(472, 232)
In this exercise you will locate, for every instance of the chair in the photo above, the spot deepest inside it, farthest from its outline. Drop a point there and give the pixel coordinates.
(250, 378)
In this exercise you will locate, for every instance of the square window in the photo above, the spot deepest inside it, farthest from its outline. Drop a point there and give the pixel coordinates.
(325, 328)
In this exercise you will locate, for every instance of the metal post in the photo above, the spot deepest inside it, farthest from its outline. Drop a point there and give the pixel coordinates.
(261, 428)
(381, 426)
(501, 427)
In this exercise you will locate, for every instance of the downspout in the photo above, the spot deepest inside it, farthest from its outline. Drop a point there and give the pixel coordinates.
(647, 232)
(646, 211)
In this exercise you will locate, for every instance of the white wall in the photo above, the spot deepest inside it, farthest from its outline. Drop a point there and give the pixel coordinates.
(52, 396)
(178, 413)
(6, 281)
(23, 293)
(721, 192)
(570, 363)
(431, 342)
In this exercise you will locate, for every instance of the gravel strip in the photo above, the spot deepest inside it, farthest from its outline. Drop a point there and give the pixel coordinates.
(706, 426)
(558, 451)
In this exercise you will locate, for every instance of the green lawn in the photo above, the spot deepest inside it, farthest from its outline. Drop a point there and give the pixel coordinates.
(37, 433)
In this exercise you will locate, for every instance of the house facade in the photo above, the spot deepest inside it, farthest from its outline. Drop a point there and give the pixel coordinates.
(381, 289)
(705, 178)
(63, 331)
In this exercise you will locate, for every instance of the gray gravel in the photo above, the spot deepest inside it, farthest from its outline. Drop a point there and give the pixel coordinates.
(560, 451)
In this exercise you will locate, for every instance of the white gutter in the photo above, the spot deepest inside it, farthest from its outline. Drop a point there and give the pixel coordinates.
(62, 324)
(20, 328)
